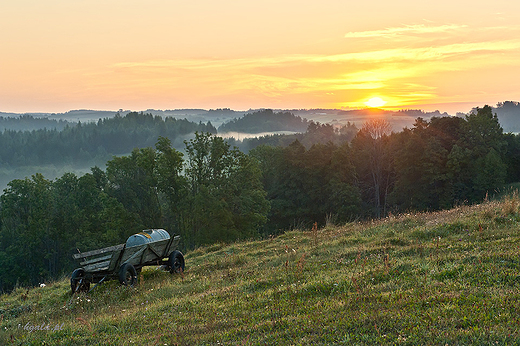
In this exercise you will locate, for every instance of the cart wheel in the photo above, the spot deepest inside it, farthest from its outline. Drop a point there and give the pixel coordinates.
(78, 282)
(176, 262)
(127, 275)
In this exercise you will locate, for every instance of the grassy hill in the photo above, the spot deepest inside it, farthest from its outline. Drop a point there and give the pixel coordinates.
(436, 278)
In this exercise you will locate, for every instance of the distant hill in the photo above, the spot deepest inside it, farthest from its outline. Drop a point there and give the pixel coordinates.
(29, 144)
(508, 114)
(79, 143)
(50, 120)
(84, 115)
(216, 116)
(397, 119)
(265, 121)
(29, 123)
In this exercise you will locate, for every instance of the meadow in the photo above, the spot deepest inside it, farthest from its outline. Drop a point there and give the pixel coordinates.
(442, 278)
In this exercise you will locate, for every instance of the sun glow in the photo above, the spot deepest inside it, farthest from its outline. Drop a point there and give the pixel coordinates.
(375, 102)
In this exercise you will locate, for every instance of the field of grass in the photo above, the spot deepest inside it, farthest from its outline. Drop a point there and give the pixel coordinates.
(446, 278)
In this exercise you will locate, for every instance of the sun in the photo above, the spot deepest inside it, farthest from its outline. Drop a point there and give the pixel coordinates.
(375, 102)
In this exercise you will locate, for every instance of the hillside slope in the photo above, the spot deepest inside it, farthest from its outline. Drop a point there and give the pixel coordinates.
(438, 278)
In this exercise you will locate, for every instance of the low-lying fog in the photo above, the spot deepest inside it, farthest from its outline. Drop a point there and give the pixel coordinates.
(242, 135)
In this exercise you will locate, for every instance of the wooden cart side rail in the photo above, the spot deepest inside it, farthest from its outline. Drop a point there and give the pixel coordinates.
(98, 252)
(115, 260)
(97, 266)
(94, 260)
(133, 255)
(172, 245)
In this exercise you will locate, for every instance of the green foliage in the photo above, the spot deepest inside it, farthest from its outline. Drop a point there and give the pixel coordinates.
(428, 165)
(171, 184)
(131, 180)
(84, 143)
(316, 134)
(373, 159)
(452, 160)
(216, 193)
(44, 222)
(306, 186)
(266, 121)
(28, 122)
(374, 283)
(225, 199)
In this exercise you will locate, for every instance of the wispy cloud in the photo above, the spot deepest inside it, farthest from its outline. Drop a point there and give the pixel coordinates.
(425, 53)
(403, 72)
(416, 29)
(394, 55)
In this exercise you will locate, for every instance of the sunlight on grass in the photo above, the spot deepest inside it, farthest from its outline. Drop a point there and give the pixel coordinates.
(434, 278)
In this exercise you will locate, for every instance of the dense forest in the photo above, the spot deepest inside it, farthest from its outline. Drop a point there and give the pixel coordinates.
(84, 142)
(27, 122)
(214, 192)
(316, 134)
(265, 121)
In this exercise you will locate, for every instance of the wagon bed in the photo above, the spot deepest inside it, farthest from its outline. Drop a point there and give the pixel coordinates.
(124, 262)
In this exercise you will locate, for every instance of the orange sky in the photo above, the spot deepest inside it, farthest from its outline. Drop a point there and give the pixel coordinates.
(58, 55)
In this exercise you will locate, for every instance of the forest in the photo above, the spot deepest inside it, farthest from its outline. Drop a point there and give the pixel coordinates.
(84, 142)
(27, 122)
(212, 191)
(265, 121)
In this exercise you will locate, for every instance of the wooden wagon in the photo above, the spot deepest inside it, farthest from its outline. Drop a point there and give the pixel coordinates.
(124, 261)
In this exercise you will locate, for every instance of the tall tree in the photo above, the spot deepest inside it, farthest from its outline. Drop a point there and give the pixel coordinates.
(171, 183)
(44, 222)
(27, 240)
(421, 156)
(131, 180)
(484, 140)
(226, 199)
(373, 161)
(307, 186)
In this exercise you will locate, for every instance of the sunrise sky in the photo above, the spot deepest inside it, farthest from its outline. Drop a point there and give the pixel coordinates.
(450, 55)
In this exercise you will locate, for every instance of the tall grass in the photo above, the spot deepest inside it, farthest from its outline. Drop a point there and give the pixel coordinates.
(434, 278)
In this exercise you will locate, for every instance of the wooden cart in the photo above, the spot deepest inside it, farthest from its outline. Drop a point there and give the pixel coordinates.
(124, 261)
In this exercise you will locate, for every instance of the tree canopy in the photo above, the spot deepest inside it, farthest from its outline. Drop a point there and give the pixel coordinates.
(84, 142)
(214, 192)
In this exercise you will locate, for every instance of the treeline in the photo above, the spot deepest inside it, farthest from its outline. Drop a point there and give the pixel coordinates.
(28, 122)
(217, 193)
(434, 165)
(82, 143)
(213, 195)
(316, 134)
(265, 121)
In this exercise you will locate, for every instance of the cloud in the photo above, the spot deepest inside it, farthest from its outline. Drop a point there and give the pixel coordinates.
(394, 55)
(425, 53)
(416, 29)
(405, 73)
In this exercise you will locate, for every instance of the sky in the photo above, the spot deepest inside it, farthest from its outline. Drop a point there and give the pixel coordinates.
(59, 55)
